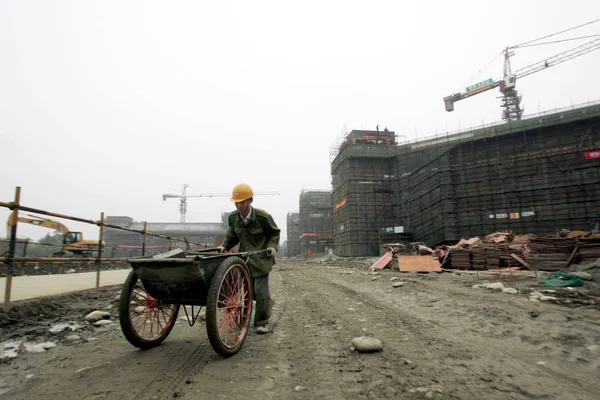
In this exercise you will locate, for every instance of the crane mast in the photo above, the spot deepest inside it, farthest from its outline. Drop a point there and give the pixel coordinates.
(511, 101)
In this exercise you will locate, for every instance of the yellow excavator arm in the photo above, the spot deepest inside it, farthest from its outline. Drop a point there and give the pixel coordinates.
(72, 242)
(38, 221)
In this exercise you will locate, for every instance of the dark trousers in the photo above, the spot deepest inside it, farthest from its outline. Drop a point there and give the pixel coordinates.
(262, 295)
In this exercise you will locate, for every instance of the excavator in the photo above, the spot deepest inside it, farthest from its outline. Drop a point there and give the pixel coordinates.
(73, 244)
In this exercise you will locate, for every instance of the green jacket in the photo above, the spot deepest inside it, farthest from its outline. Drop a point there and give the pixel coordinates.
(260, 233)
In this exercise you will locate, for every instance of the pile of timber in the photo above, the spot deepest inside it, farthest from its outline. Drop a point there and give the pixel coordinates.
(505, 249)
(550, 253)
(460, 258)
(499, 251)
(493, 251)
(588, 249)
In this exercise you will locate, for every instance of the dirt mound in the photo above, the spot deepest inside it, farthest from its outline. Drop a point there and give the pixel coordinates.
(34, 318)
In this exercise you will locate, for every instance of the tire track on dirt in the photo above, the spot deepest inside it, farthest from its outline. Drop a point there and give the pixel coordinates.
(310, 346)
(462, 354)
(387, 374)
(182, 365)
(187, 370)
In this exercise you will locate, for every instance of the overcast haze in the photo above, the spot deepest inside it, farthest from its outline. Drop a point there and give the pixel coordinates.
(106, 105)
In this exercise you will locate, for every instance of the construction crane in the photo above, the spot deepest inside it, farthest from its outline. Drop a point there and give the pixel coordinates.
(184, 196)
(510, 100)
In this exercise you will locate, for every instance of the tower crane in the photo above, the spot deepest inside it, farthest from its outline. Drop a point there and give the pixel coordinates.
(510, 100)
(184, 196)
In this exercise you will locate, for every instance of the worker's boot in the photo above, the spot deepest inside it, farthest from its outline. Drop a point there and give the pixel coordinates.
(261, 330)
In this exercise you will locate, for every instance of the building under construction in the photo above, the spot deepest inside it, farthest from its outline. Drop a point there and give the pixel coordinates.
(315, 221)
(534, 175)
(293, 234)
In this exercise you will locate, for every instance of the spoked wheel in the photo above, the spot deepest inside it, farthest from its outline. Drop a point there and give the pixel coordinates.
(229, 306)
(145, 321)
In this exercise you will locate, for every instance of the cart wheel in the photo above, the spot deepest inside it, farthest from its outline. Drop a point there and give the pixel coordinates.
(145, 321)
(229, 306)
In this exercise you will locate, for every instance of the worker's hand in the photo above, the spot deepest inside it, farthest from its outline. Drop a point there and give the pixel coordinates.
(221, 249)
(271, 252)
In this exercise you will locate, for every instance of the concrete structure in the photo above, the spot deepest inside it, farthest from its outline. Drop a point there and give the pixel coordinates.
(530, 176)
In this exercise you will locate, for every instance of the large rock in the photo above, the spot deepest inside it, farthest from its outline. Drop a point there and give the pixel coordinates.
(97, 316)
(366, 344)
(497, 286)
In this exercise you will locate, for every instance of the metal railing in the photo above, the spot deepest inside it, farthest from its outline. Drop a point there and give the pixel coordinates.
(12, 240)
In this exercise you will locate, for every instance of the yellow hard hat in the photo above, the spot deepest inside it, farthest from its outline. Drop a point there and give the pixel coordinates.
(241, 192)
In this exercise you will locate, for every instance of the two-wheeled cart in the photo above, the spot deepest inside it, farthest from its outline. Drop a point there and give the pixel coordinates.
(157, 286)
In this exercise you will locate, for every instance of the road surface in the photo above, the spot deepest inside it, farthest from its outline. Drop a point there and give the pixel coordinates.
(29, 287)
(442, 339)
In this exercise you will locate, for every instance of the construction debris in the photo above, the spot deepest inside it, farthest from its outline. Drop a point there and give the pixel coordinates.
(589, 249)
(383, 262)
(507, 250)
(551, 253)
(497, 251)
(408, 262)
(419, 264)
(386, 260)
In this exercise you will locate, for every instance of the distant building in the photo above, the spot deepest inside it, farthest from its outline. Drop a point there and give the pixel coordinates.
(293, 234)
(534, 175)
(315, 221)
(120, 243)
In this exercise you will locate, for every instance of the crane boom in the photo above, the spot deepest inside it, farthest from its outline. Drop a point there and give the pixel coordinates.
(178, 196)
(559, 58)
(450, 100)
(510, 98)
(184, 196)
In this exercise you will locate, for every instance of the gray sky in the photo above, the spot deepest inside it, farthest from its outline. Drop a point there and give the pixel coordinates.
(106, 105)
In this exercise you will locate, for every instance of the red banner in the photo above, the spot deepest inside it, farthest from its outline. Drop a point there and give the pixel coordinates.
(591, 155)
(310, 235)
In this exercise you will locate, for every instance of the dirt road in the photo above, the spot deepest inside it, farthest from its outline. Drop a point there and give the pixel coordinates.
(442, 339)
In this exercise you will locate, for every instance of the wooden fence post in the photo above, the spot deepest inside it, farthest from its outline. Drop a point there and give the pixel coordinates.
(11, 249)
(99, 259)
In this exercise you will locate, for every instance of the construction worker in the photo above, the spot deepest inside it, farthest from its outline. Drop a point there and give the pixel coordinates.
(254, 229)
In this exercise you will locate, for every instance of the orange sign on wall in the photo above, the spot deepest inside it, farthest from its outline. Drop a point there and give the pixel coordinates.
(341, 204)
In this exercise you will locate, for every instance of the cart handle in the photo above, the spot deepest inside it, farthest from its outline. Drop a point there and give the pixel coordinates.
(248, 254)
(245, 254)
(199, 255)
(251, 253)
(219, 250)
